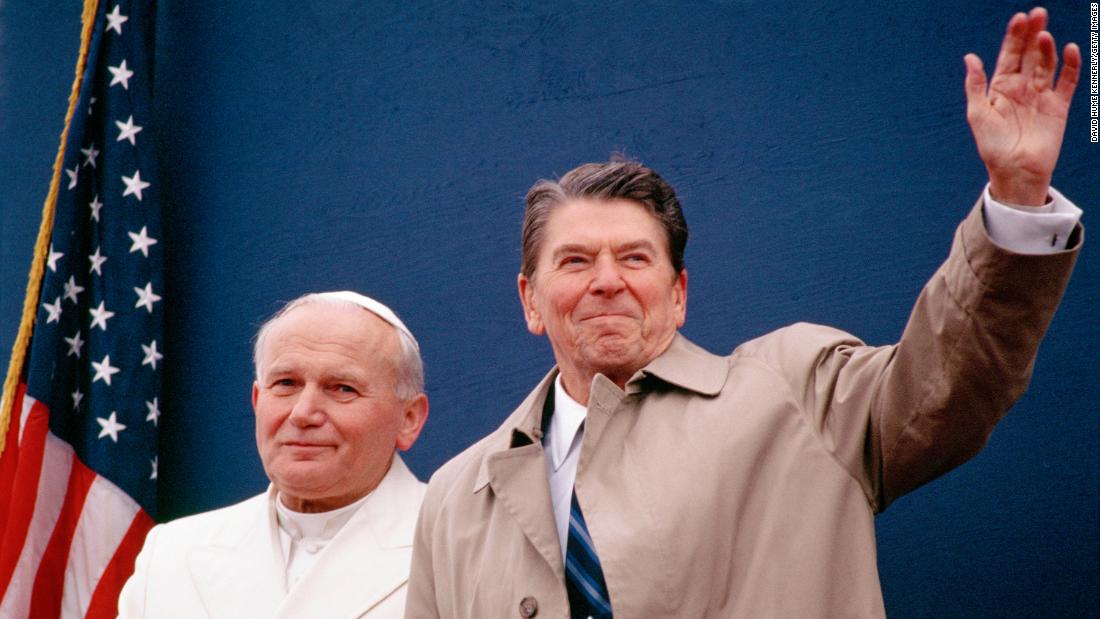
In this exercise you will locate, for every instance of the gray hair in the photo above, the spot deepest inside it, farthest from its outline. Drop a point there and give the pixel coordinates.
(408, 366)
(615, 179)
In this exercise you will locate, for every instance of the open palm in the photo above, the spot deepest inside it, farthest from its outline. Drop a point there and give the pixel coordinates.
(1019, 117)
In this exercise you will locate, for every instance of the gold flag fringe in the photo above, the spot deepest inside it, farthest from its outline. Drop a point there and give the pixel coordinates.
(38, 263)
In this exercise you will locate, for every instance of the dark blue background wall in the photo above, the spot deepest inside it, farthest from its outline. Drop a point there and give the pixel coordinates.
(821, 153)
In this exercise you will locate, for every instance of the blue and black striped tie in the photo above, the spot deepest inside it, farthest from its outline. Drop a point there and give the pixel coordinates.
(583, 576)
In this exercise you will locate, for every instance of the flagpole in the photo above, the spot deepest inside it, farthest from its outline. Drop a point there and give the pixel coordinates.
(38, 262)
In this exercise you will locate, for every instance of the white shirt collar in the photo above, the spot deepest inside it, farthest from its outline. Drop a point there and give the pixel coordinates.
(321, 526)
(567, 419)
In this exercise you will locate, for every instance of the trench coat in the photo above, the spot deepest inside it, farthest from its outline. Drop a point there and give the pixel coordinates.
(744, 485)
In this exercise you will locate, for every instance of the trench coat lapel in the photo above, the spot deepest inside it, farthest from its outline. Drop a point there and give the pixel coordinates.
(246, 556)
(515, 469)
(368, 559)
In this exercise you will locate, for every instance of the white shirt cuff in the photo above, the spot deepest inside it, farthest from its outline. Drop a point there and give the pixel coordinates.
(1032, 230)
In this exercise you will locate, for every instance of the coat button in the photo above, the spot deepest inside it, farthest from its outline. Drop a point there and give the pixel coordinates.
(528, 607)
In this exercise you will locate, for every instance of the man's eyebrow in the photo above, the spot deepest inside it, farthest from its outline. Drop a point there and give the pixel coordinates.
(633, 245)
(571, 248)
(279, 368)
(348, 377)
(581, 248)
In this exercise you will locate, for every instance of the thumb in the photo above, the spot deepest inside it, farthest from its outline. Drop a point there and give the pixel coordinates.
(975, 84)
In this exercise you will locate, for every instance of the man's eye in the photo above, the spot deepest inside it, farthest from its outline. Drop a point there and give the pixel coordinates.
(283, 385)
(573, 261)
(637, 258)
(343, 390)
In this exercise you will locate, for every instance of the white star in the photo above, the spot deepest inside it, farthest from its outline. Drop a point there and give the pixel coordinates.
(99, 317)
(104, 370)
(77, 397)
(71, 289)
(115, 19)
(151, 354)
(154, 411)
(127, 130)
(91, 102)
(142, 241)
(97, 262)
(111, 427)
(121, 75)
(154, 463)
(74, 344)
(90, 154)
(51, 260)
(146, 297)
(95, 205)
(134, 185)
(72, 175)
(54, 310)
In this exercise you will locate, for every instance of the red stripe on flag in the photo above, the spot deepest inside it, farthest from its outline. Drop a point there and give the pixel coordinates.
(28, 469)
(49, 582)
(10, 458)
(104, 603)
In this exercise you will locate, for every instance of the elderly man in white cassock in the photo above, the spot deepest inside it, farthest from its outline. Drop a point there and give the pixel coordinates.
(339, 390)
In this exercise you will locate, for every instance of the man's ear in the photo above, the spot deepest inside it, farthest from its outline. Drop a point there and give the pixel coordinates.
(680, 289)
(527, 298)
(255, 394)
(413, 417)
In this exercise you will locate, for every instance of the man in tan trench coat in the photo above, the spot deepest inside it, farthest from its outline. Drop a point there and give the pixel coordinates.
(647, 477)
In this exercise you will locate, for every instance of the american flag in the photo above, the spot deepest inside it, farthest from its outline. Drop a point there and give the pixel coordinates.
(78, 472)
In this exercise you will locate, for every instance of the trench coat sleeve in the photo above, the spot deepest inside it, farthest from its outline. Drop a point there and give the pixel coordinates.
(420, 598)
(899, 416)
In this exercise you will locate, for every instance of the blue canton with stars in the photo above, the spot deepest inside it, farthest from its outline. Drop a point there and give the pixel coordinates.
(96, 356)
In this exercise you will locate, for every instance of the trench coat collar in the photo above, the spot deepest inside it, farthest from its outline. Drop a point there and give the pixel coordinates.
(683, 364)
(687, 366)
(522, 427)
(340, 584)
(514, 466)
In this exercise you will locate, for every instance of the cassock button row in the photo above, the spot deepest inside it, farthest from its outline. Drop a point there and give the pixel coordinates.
(528, 607)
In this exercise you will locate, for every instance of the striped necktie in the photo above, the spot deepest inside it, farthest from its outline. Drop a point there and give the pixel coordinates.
(584, 581)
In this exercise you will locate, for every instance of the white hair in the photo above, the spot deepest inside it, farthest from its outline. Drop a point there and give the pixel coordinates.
(408, 366)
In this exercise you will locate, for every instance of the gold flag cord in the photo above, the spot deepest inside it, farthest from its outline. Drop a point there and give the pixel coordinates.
(38, 263)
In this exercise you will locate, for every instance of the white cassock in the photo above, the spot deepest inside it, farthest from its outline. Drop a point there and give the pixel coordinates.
(229, 562)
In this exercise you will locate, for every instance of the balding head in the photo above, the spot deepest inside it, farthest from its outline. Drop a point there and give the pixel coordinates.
(407, 363)
(338, 389)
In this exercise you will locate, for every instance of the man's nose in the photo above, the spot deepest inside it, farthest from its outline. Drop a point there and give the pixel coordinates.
(607, 278)
(308, 409)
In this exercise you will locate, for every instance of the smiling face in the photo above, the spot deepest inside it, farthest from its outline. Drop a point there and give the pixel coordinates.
(327, 417)
(604, 291)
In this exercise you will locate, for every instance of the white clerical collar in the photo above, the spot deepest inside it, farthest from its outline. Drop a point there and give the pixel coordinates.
(315, 527)
(566, 420)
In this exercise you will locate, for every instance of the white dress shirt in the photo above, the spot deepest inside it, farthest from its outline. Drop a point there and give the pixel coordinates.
(303, 536)
(1033, 230)
(563, 448)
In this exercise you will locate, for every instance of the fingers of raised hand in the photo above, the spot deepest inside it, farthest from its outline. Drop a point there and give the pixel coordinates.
(975, 81)
(1012, 48)
(1071, 71)
(1020, 50)
(1033, 55)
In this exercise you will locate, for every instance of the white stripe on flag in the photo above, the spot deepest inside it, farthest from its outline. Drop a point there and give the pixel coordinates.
(28, 402)
(103, 523)
(53, 482)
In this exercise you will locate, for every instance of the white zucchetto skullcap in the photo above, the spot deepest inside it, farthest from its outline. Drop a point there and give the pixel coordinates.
(375, 307)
